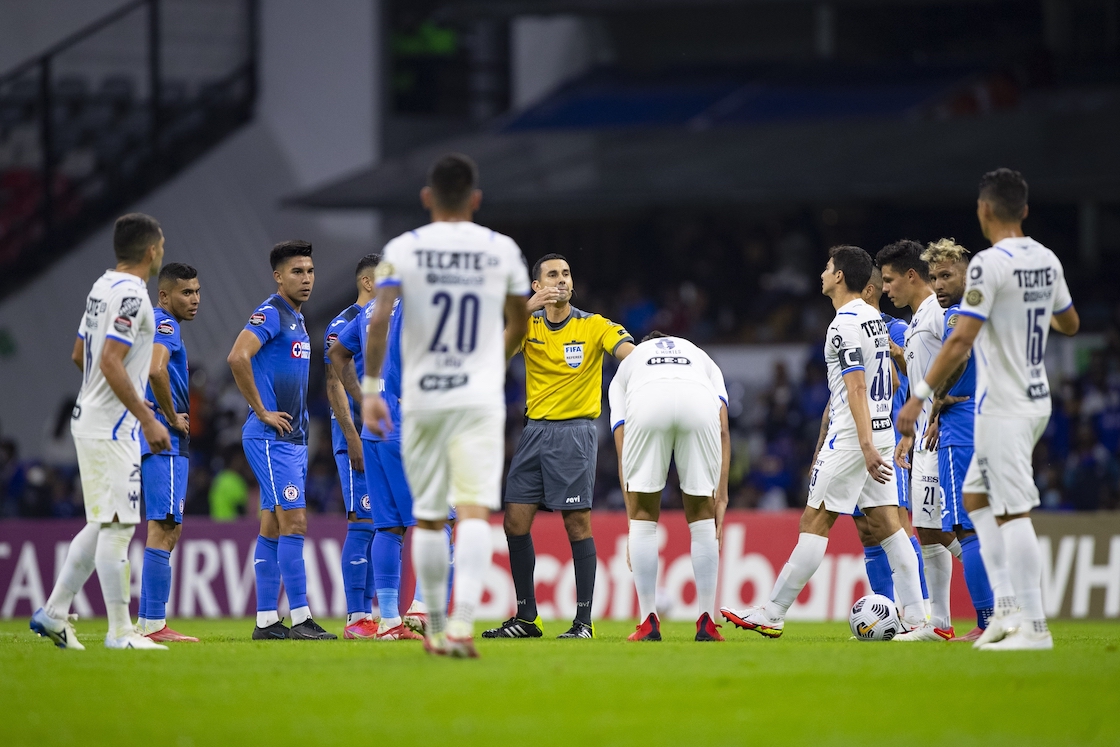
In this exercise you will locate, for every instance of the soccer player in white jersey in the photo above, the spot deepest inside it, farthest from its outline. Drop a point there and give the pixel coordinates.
(1016, 292)
(853, 468)
(114, 353)
(906, 282)
(460, 284)
(668, 399)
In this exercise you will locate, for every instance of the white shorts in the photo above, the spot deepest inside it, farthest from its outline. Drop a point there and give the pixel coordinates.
(1001, 463)
(110, 472)
(840, 482)
(926, 499)
(453, 458)
(664, 419)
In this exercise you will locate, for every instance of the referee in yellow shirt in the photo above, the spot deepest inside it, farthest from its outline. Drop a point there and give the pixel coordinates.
(554, 465)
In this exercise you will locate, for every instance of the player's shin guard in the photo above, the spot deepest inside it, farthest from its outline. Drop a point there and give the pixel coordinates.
(1025, 564)
(643, 561)
(939, 578)
(522, 563)
(584, 563)
(976, 579)
(473, 558)
(908, 587)
(431, 560)
(355, 567)
(266, 569)
(76, 570)
(994, 553)
(705, 563)
(802, 564)
(387, 548)
(878, 571)
(155, 587)
(289, 554)
(115, 575)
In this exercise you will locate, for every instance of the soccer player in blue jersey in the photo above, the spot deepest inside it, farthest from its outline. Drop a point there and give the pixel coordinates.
(270, 362)
(357, 570)
(164, 475)
(953, 434)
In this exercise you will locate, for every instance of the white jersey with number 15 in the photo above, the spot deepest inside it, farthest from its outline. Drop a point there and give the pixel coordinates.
(454, 278)
(1015, 286)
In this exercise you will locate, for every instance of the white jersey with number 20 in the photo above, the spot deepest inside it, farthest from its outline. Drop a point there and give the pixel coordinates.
(1015, 286)
(454, 278)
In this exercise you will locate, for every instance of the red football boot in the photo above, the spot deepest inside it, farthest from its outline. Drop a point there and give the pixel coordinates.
(364, 629)
(167, 635)
(706, 629)
(970, 637)
(649, 630)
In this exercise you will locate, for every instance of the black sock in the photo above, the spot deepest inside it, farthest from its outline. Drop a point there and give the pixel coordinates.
(522, 563)
(583, 558)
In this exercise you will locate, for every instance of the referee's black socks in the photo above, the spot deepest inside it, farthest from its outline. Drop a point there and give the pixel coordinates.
(584, 560)
(522, 563)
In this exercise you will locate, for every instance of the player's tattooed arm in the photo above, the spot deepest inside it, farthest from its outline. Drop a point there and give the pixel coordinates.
(160, 382)
(342, 366)
(78, 354)
(375, 412)
(240, 361)
(340, 406)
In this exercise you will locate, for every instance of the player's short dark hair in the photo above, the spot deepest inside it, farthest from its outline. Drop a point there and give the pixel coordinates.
(132, 235)
(876, 279)
(285, 250)
(367, 262)
(855, 263)
(1006, 191)
(653, 335)
(452, 179)
(542, 260)
(903, 256)
(176, 271)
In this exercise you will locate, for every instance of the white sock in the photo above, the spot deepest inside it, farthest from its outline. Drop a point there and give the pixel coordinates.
(802, 564)
(1025, 564)
(356, 617)
(431, 561)
(301, 615)
(939, 579)
(994, 554)
(115, 575)
(954, 547)
(473, 548)
(904, 571)
(705, 564)
(76, 570)
(643, 561)
(266, 618)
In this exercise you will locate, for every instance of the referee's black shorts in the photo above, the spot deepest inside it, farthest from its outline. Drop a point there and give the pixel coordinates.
(554, 465)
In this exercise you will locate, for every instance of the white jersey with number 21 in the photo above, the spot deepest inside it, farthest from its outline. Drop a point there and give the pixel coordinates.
(454, 278)
(1015, 286)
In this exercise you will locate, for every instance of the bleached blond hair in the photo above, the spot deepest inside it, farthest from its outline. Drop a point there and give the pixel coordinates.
(944, 250)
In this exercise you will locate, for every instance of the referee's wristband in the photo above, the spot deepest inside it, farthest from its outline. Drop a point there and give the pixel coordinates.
(922, 390)
(371, 385)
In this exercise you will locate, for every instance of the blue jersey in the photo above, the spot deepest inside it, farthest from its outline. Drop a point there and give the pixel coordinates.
(956, 420)
(280, 369)
(354, 338)
(897, 329)
(333, 330)
(168, 335)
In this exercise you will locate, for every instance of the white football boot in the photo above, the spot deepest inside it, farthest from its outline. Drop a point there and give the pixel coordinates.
(133, 639)
(1020, 640)
(61, 632)
(999, 627)
(923, 632)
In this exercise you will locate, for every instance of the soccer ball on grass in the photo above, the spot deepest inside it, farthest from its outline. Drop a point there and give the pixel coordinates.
(874, 618)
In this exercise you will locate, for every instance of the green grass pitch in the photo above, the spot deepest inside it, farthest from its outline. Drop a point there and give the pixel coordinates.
(812, 687)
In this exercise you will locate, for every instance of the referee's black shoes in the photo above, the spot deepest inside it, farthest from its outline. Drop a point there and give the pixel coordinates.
(516, 628)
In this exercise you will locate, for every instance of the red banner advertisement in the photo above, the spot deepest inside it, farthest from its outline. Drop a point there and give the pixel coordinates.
(213, 568)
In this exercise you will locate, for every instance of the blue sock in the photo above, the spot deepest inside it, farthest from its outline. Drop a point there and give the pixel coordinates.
(387, 548)
(267, 571)
(155, 586)
(976, 579)
(290, 555)
(368, 593)
(355, 564)
(879, 571)
(921, 566)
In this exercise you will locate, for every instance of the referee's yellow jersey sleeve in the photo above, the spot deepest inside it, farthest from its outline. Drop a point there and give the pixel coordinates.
(564, 367)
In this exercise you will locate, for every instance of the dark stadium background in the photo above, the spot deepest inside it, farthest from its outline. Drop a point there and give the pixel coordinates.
(694, 160)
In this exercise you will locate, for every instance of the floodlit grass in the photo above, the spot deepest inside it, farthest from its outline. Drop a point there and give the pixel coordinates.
(811, 687)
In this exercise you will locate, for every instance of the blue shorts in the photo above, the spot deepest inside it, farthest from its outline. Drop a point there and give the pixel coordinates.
(164, 482)
(388, 487)
(354, 493)
(952, 464)
(281, 471)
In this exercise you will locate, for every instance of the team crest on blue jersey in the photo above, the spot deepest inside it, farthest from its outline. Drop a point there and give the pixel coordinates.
(301, 350)
(573, 354)
(291, 493)
(365, 503)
